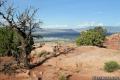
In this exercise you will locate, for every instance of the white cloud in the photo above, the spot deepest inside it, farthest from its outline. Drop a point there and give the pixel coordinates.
(56, 26)
(81, 25)
(92, 23)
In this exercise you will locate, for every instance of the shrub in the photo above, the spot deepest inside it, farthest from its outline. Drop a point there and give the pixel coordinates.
(62, 77)
(94, 37)
(43, 53)
(111, 66)
(9, 41)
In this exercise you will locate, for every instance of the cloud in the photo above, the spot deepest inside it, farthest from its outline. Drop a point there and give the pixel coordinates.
(73, 26)
(92, 23)
(56, 26)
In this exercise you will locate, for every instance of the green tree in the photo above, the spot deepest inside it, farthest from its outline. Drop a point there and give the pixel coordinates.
(94, 37)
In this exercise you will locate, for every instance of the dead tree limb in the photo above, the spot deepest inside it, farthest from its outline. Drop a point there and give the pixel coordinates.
(23, 24)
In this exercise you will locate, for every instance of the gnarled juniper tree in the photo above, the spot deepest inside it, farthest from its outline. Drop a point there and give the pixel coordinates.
(22, 23)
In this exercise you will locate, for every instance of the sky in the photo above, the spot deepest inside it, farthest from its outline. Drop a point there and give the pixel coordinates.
(74, 13)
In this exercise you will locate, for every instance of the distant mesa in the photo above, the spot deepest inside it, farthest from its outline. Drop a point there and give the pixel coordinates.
(68, 34)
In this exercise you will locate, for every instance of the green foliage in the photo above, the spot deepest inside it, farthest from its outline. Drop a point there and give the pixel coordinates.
(94, 37)
(62, 77)
(111, 66)
(9, 41)
(43, 53)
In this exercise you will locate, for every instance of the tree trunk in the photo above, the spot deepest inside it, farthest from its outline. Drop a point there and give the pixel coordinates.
(24, 54)
(24, 49)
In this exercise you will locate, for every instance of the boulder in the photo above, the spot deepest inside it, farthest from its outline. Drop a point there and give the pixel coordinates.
(113, 41)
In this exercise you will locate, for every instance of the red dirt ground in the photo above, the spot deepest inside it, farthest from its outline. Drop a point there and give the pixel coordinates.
(81, 64)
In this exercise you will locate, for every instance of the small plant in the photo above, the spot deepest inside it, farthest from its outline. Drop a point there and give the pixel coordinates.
(111, 66)
(43, 53)
(78, 66)
(62, 77)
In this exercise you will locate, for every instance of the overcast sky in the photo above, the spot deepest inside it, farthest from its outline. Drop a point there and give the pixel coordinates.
(74, 13)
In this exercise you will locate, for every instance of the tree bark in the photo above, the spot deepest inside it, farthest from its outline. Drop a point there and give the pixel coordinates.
(24, 48)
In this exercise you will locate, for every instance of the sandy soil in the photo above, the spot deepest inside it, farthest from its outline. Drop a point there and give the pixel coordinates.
(80, 64)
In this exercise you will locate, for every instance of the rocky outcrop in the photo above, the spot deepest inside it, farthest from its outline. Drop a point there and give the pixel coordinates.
(113, 41)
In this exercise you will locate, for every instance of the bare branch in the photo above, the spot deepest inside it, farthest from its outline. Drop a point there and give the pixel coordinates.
(2, 2)
(23, 23)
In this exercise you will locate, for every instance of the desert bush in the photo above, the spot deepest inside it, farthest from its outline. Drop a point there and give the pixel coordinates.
(62, 77)
(43, 53)
(9, 41)
(111, 66)
(94, 37)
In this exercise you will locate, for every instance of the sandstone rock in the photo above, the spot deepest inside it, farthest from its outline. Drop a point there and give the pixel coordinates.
(113, 41)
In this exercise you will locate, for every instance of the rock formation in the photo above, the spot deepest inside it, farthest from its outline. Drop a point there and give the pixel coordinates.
(113, 41)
